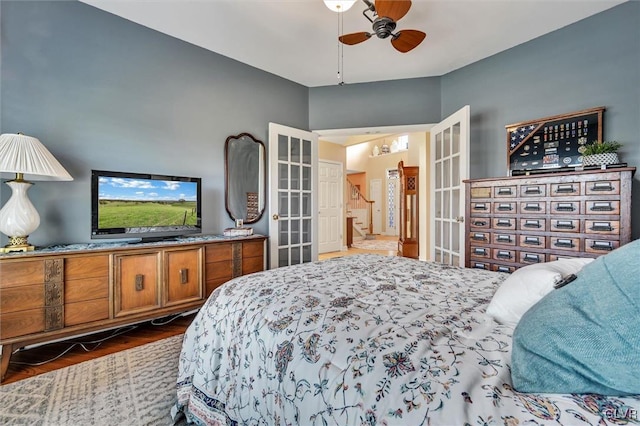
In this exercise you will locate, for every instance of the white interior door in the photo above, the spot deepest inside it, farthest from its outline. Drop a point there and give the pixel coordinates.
(330, 215)
(293, 201)
(375, 192)
(449, 167)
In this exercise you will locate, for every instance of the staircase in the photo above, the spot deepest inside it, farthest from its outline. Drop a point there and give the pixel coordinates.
(361, 210)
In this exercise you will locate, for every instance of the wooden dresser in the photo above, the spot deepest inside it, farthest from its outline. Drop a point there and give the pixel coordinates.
(70, 290)
(516, 221)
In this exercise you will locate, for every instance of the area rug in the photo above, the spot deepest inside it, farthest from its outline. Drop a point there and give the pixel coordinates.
(134, 387)
(387, 245)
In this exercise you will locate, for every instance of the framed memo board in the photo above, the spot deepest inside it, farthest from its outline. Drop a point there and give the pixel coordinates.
(552, 143)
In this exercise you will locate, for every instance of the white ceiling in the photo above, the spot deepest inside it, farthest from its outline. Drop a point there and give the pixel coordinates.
(297, 39)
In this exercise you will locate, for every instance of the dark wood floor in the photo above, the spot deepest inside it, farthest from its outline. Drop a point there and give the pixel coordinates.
(21, 365)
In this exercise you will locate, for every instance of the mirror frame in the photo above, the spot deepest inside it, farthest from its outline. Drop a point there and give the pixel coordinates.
(261, 188)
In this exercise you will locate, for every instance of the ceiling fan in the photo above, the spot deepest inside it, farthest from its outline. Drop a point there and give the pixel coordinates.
(387, 13)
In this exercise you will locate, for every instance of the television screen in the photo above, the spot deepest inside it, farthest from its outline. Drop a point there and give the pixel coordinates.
(135, 205)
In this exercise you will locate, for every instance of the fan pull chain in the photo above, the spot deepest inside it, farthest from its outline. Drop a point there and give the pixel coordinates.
(340, 49)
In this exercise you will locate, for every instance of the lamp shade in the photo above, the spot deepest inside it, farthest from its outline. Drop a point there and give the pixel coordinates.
(25, 154)
(339, 5)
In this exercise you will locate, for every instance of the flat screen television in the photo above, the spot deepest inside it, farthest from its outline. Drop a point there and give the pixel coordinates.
(144, 206)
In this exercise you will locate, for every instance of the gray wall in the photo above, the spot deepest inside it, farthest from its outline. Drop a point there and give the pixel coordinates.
(101, 92)
(385, 103)
(592, 63)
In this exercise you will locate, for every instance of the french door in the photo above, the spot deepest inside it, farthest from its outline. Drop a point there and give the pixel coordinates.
(293, 189)
(330, 214)
(449, 166)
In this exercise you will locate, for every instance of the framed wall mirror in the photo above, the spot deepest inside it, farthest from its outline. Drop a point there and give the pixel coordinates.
(245, 177)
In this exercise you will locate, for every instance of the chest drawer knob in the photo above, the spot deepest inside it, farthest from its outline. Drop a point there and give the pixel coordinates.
(503, 238)
(532, 240)
(602, 186)
(565, 224)
(561, 242)
(479, 237)
(503, 254)
(602, 245)
(565, 189)
(602, 226)
(479, 251)
(532, 207)
(565, 207)
(601, 206)
(505, 207)
(529, 190)
(532, 224)
(533, 258)
(504, 191)
(503, 222)
(479, 223)
(480, 206)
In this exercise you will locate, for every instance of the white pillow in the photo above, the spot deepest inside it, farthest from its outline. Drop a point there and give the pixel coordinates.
(527, 285)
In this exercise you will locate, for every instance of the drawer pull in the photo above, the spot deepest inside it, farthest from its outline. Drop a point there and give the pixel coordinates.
(563, 243)
(503, 223)
(565, 224)
(139, 282)
(478, 265)
(565, 189)
(601, 226)
(479, 237)
(532, 240)
(480, 206)
(602, 245)
(503, 238)
(504, 191)
(503, 255)
(602, 186)
(565, 207)
(532, 190)
(479, 223)
(532, 224)
(503, 207)
(184, 276)
(503, 269)
(601, 207)
(531, 258)
(532, 207)
(479, 251)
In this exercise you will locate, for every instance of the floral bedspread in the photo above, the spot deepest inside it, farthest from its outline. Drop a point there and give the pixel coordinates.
(364, 340)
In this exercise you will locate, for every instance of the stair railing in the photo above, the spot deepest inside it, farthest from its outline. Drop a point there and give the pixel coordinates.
(359, 201)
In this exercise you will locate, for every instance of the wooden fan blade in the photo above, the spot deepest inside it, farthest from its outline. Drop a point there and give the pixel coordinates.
(407, 40)
(354, 38)
(394, 9)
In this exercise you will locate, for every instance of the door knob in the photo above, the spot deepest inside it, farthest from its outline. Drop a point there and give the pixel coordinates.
(460, 219)
(276, 217)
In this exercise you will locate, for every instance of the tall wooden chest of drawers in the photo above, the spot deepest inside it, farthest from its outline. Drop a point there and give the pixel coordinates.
(516, 221)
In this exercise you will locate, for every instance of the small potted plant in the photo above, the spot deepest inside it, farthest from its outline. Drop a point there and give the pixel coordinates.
(601, 153)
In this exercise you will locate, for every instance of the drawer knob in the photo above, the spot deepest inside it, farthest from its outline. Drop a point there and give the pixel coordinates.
(565, 189)
(184, 276)
(602, 186)
(565, 207)
(564, 243)
(602, 226)
(139, 282)
(602, 245)
(601, 207)
(564, 224)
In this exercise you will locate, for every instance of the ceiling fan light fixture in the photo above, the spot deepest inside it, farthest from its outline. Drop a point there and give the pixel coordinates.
(339, 5)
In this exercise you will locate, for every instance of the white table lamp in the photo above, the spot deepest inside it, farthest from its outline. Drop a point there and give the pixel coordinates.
(24, 155)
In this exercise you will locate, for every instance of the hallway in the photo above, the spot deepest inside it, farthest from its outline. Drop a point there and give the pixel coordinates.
(353, 250)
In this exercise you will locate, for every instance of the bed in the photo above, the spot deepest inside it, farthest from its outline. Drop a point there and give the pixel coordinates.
(365, 340)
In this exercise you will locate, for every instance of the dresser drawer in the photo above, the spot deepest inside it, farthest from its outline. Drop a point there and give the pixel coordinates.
(562, 243)
(565, 207)
(608, 227)
(565, 225)
(480, 207)
(533, 224)
(535, 241)
(480, 222)
(610, 187)
(504, 239)
(481, 252)
(533, 190)
(565, 189)
(600, 246)
(532, 257)
(480, 237)
(533, 207)
(504, 207)
(503, 223)
(504, 191)
(504, 255)
(602, 207)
